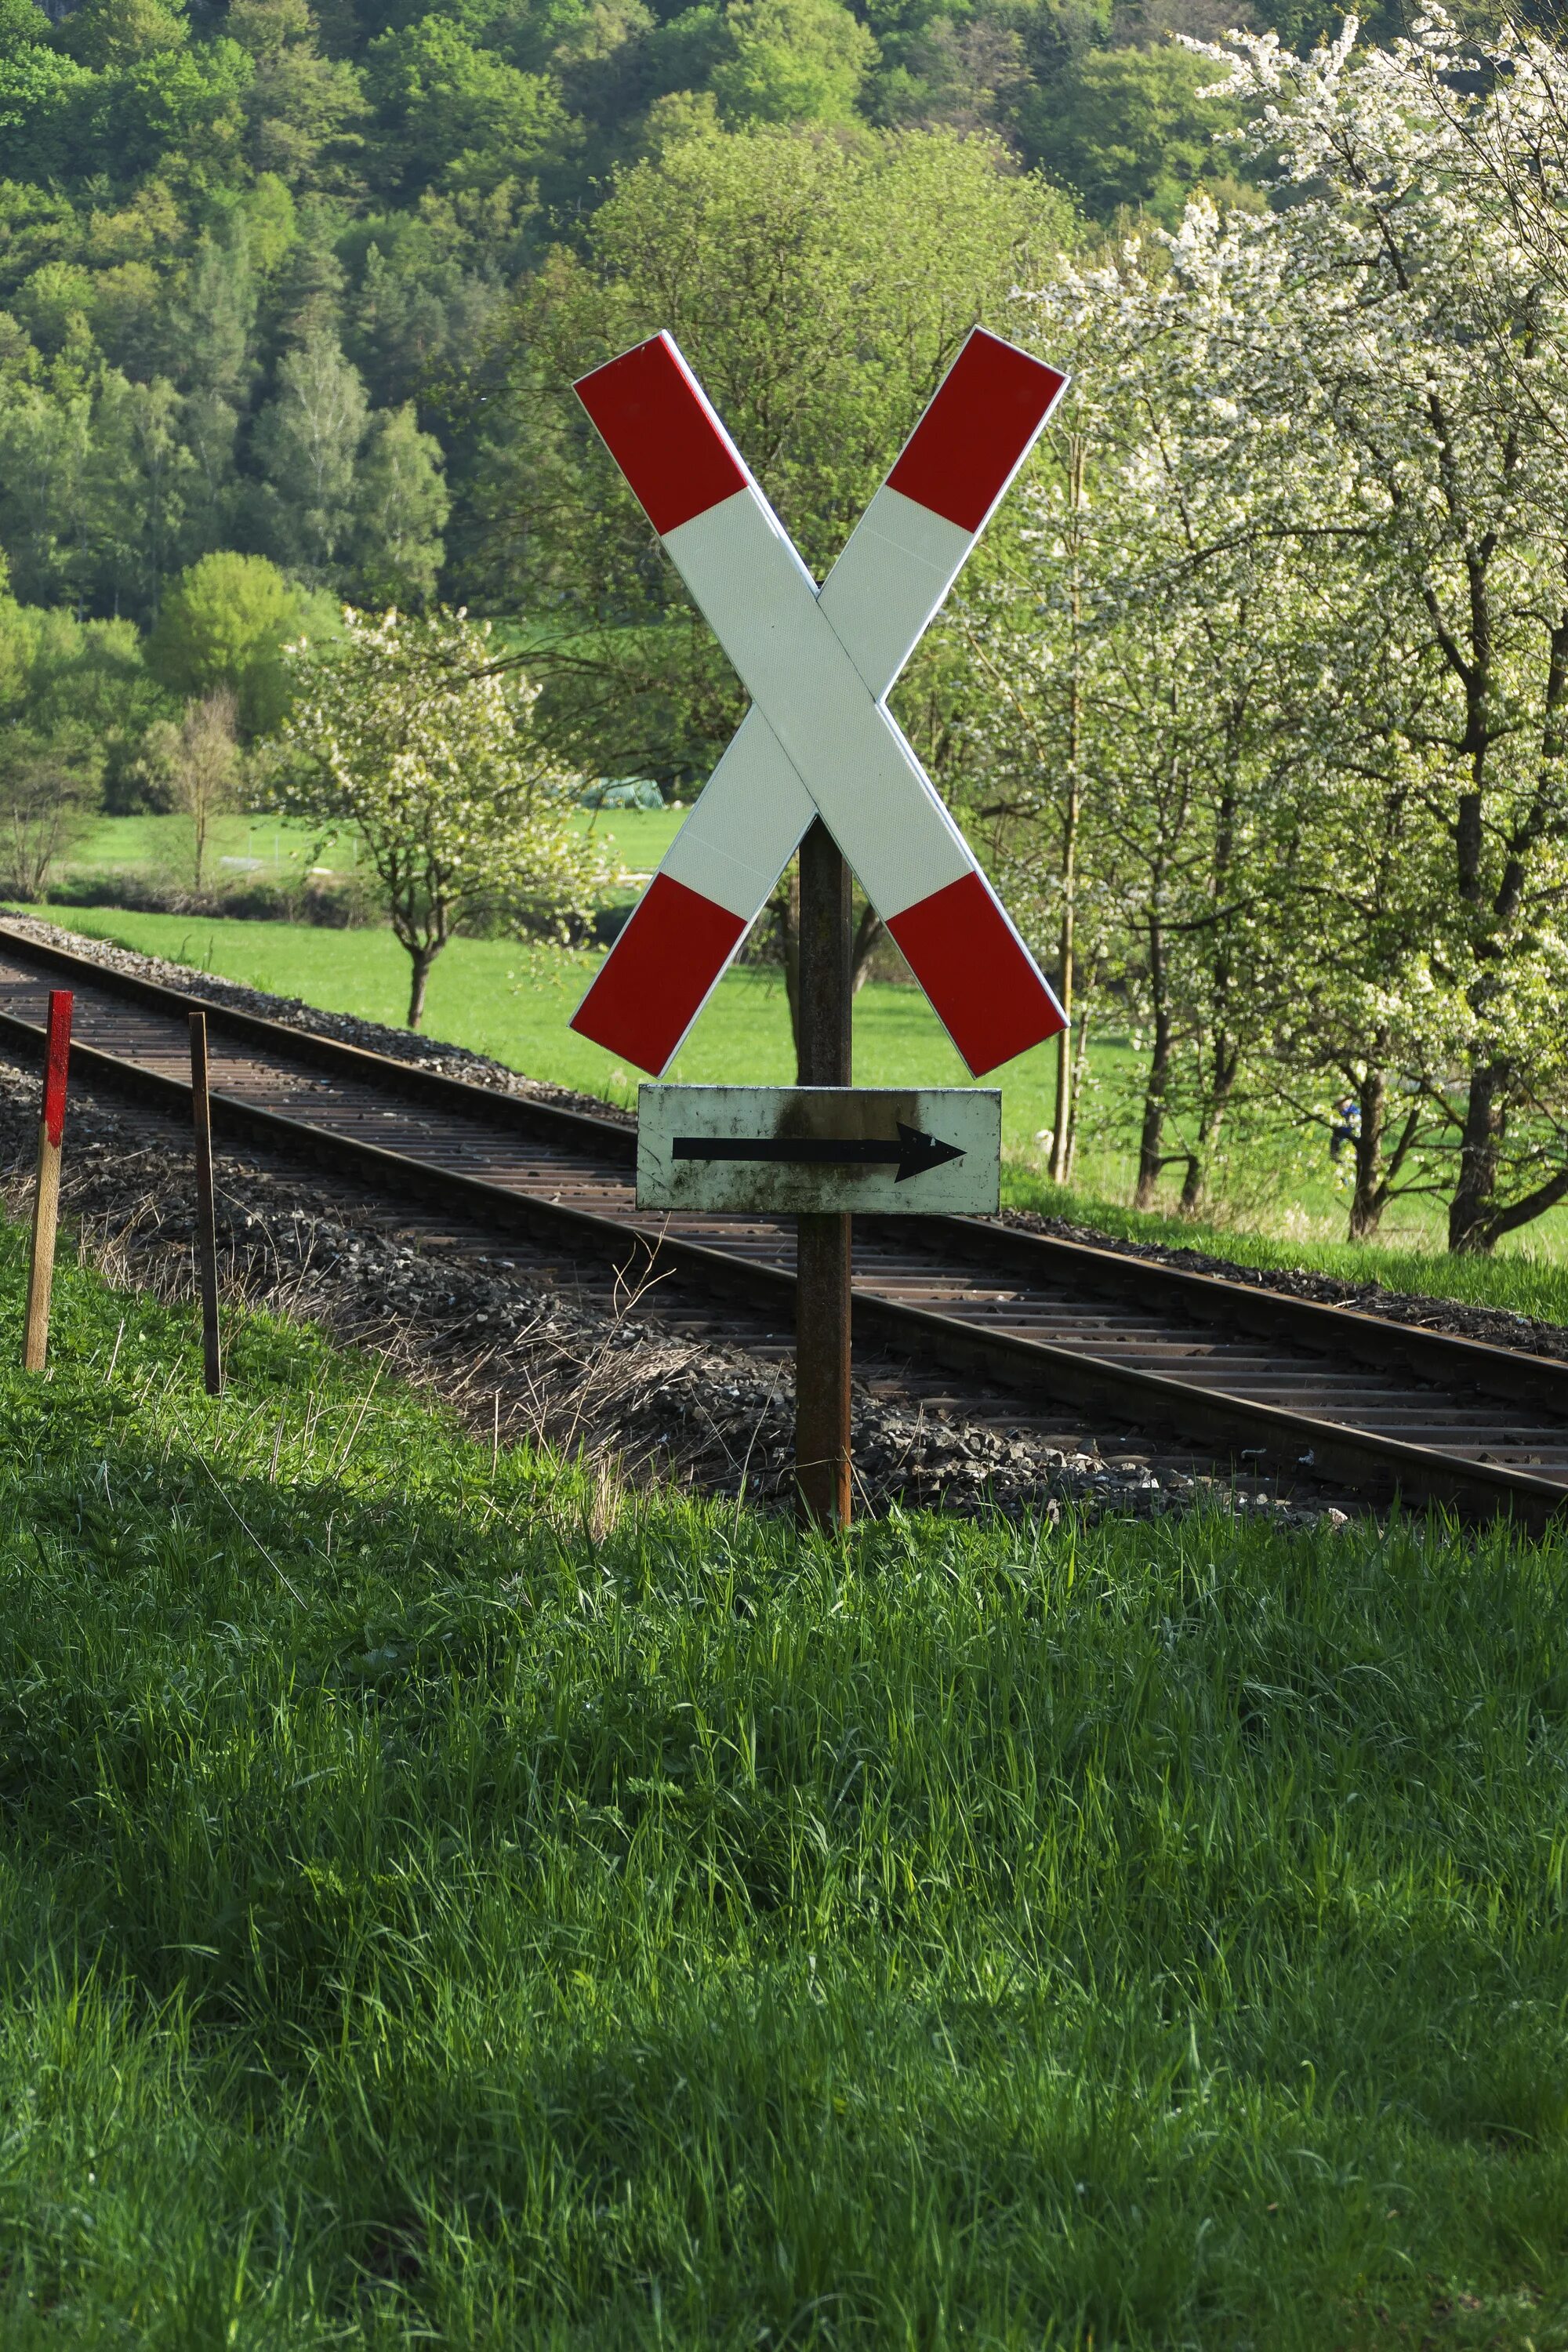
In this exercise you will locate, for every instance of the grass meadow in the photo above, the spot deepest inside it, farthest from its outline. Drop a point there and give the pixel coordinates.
(448, 1902)
(154, 847)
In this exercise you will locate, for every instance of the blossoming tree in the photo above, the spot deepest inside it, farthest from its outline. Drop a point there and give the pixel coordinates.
(411, 737)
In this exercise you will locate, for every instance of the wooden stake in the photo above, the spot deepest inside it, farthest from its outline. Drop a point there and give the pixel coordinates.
(206, 1221)
(822, 1242)
(46, 1197)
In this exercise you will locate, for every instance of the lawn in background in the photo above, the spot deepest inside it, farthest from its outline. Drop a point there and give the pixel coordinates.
(263, 849)
(515, 1004)
(448, 1903)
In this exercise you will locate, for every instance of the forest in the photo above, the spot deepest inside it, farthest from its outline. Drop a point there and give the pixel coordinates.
(268, 276)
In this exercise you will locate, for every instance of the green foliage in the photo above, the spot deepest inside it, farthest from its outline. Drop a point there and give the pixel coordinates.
(23, 25)
(110, 35)
(446, 1903)
(302, 111)
(40, 112)
(820, 286)
(401, 512)
(75, 693)
(225, 622)
(308, 440)
(450, 114)
(1126, 129)
(793, 61)
(216, 222)
(176, 104)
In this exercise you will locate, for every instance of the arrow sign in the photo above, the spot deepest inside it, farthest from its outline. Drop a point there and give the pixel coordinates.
(912, 1154)
(806, 1150)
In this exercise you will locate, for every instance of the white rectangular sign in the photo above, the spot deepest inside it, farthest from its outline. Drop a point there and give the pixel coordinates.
(795, 1151)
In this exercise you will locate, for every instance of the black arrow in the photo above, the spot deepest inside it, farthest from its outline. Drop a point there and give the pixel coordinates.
(913, 1155)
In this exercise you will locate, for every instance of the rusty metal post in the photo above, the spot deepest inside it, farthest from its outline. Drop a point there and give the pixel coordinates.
(46, 1195)
(206, 1220)
(822, 1246)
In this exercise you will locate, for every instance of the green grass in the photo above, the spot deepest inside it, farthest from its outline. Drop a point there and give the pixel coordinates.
(160, 848)
(445, 1905)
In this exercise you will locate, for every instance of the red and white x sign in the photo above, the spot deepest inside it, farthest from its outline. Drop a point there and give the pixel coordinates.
(818, 667)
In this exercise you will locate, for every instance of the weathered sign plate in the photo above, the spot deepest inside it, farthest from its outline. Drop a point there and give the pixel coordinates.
(800, 1150)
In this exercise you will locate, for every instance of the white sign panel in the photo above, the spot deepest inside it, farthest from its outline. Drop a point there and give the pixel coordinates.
(797, 1150)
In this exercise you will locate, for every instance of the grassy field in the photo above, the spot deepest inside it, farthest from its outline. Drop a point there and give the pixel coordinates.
(446, 1904)
(268, 849)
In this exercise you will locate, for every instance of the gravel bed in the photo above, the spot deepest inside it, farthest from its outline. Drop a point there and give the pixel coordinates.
(579, 1367)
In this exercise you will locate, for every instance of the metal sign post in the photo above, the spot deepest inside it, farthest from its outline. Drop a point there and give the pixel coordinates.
(822, 1240)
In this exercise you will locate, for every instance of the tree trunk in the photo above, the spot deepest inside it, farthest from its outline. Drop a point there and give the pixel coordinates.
(1472, 1209)
(1195, 1180)
(787, 914)
(421, 958)
(1194, 1184)
(1371, 1193)
(1061, 1132)
(1151, 1157)
(1079, 1064)
(868, 932)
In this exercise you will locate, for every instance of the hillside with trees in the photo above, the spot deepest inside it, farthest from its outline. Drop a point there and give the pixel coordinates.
(260, 266)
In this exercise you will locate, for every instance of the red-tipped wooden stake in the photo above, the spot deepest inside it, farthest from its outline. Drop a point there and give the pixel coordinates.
(46, 1199)
(207, 1223)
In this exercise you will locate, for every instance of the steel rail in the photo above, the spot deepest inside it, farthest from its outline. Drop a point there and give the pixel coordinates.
(1211, 1415)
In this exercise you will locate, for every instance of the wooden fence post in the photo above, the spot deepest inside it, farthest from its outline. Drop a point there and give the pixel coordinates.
(206, 1219)
(46, 1195)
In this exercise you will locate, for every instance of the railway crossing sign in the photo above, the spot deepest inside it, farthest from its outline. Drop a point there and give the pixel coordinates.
(807, 1150)
(820, 738)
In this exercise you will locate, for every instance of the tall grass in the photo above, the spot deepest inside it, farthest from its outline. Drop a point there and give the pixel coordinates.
(441, 1903)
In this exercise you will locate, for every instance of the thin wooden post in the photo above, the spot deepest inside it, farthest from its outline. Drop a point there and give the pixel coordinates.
(822, 1241)
(46, 1195)
(206, 1220)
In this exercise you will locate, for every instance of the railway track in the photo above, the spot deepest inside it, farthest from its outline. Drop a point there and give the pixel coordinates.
(1298, 1389)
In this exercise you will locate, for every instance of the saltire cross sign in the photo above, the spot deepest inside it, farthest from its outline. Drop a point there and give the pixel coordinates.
(820, 738)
